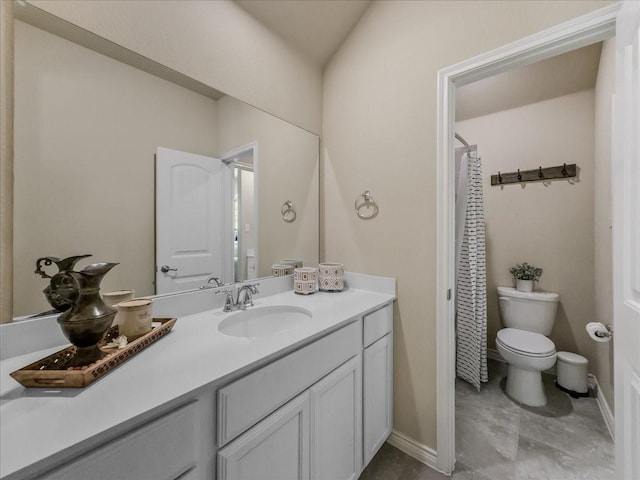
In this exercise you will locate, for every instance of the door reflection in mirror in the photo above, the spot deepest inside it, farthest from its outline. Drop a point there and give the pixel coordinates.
(191, 232)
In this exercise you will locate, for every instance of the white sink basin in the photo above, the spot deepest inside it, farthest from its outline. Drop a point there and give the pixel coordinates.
(263, 321)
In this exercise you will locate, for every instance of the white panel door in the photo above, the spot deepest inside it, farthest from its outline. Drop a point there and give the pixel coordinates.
(378, 395)
(336, 437)
(192, 235)
(277, 448)
(626, 242)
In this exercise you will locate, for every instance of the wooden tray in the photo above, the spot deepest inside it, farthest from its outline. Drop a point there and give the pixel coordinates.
(50, 372)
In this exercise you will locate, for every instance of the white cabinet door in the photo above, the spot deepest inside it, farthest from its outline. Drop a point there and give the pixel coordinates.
(378, 395)
(277, 448)
(336, 431)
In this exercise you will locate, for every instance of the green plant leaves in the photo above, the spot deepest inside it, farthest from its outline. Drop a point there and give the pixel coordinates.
(526, 272)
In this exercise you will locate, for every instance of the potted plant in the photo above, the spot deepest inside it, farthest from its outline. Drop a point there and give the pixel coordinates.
(525, 275)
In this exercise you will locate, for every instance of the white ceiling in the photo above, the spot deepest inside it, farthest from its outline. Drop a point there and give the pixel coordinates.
(316, 28)
(568, 73)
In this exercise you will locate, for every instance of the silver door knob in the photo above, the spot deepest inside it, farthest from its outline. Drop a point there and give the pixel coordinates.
(167, 268)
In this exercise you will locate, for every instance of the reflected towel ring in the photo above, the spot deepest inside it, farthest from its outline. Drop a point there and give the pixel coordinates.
(367, 201)
(288, 212)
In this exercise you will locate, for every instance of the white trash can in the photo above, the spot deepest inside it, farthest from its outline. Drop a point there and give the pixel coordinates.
(572, 374)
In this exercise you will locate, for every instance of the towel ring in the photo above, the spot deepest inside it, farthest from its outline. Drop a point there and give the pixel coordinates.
(288, 212)
(367, 201)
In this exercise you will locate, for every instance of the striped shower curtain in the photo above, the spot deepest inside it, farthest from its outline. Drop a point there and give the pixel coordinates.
(471, 291)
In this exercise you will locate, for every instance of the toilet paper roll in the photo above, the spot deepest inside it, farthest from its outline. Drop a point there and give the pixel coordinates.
(598, 332)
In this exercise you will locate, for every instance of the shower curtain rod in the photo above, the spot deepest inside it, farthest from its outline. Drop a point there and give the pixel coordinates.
(463, 141)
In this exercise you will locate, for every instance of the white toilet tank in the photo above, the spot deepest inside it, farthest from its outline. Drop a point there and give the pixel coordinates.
(531, 311)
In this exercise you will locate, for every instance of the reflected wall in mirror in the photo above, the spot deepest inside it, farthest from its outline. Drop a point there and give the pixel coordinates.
(86, 130)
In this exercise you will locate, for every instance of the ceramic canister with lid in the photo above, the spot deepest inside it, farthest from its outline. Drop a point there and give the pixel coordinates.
(135, 317)
(114, 298)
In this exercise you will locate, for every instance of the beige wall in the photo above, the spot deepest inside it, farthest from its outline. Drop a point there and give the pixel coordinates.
(214, 42)
(287, 169)
(547, 225)
(6, 161)
(87, 128)
(602, 353)
(379, 133)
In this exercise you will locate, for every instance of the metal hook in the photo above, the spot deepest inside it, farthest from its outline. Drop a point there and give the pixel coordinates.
(564, 170)
(519, 175)
(499, 177)
(540, 174)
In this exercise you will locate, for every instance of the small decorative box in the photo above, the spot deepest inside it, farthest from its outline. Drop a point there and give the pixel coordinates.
(280, 270)
(304, 280)
(294, 262)
(331, 277)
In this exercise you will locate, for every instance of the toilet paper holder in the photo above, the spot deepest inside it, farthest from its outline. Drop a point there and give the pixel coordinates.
(607, 334)
(599, 332)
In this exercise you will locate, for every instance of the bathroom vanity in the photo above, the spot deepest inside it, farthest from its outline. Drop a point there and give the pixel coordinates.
(309, 402)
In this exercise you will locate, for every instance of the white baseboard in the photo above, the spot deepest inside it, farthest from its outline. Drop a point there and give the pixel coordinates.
(607, 414)
(417, 450)
(494, 354)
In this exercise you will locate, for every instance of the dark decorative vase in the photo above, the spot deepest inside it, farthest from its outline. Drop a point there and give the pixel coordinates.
(85, 323)
(61, 294)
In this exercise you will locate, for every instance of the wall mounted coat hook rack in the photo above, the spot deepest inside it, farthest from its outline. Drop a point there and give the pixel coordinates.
(535, 175)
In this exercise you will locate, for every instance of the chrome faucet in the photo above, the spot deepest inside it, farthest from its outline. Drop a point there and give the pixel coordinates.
(228, 301)
(243, 300)
(246, 293)
(212, 282)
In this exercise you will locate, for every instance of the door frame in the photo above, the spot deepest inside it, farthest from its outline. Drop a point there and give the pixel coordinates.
(576, 33)
(228, 158)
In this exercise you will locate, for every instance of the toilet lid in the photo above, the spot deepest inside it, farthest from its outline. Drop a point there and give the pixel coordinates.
(528, 343)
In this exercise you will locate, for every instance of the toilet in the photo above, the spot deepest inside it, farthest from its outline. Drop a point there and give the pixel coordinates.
(528, 318)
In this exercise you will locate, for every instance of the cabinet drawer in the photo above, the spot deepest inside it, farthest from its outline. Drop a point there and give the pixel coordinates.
(377, 324)
(244, 402)
(164, 449)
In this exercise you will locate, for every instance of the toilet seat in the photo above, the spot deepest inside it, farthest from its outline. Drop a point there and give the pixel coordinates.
(526, 343)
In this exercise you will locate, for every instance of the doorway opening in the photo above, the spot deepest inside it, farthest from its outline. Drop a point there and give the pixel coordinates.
(571, 36)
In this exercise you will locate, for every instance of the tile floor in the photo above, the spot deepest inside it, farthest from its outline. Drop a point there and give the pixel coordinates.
(499, 439)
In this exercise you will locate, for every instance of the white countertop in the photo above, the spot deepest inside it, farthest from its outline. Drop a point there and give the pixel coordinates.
(39, 423)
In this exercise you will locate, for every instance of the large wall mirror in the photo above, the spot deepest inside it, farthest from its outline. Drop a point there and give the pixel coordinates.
(87, 127)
